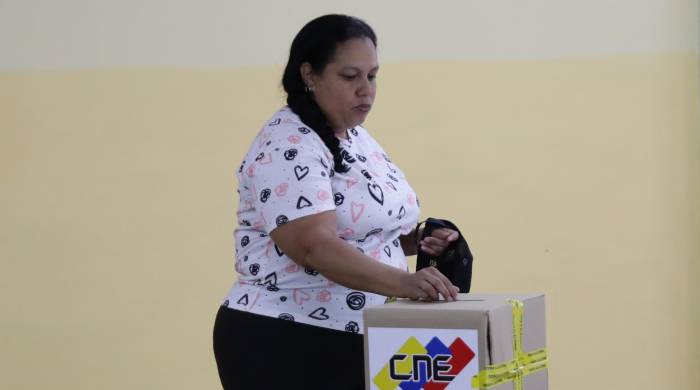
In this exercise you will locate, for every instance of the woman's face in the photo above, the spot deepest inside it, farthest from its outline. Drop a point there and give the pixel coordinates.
(346, 88)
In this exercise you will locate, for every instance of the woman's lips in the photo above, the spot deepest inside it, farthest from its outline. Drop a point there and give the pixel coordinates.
(364, 107)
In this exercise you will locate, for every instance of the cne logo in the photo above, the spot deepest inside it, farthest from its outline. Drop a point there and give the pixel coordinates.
(430, 367)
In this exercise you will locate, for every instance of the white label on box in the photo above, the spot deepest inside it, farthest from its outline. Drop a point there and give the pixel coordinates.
(413, 358)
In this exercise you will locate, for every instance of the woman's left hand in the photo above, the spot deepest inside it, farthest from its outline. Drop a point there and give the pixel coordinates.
(438, 241)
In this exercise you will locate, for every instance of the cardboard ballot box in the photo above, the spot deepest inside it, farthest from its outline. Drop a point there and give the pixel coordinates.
(480, 341)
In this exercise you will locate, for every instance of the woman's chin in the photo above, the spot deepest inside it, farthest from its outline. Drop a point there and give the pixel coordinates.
(358, 119)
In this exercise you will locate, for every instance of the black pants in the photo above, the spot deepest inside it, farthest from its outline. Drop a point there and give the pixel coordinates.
(255, 352)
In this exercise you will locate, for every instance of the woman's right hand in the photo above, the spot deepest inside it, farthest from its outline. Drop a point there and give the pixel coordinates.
(428, 284)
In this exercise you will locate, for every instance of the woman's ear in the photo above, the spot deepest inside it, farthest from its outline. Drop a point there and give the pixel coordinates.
(307, 74)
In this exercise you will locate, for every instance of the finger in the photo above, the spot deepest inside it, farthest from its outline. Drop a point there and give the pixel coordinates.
(430, 292)
(417, 294)
(456, 291)
(436, 248)
(441, 284)
(430, 282)
(422, 296)
(451, 288)
(444, 290)
(441, 233)
(433, 250)
(436, 244)
(435, 241)
(429, 250)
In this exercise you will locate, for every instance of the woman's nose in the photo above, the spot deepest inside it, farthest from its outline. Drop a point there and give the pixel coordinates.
(364, 88)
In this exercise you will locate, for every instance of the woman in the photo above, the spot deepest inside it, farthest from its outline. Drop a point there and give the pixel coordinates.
(326, 221)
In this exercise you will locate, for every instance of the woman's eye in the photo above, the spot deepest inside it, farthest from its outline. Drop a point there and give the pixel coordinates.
(349, 77)
(372, 77)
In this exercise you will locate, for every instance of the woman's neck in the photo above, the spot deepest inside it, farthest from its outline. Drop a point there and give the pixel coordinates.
(342, 134)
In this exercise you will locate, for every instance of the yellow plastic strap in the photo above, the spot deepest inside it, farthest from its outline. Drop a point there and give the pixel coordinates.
(523, 363)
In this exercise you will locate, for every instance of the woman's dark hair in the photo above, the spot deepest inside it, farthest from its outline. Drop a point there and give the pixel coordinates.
(316, 44)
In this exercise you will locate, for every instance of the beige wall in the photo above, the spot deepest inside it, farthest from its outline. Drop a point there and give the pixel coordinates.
(577, 176)
(88, 34)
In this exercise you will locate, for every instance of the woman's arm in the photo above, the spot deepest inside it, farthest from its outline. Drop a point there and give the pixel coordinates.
(311, 241)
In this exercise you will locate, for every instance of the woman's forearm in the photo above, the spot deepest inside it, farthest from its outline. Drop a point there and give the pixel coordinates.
(344, 264)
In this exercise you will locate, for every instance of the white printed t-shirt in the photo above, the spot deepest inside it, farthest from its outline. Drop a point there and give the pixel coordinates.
(287, 174)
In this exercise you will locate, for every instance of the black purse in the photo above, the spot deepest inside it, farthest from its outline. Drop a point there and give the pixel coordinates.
(455, 262)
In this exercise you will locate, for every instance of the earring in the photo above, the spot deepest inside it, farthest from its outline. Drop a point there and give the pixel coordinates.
(308, 89)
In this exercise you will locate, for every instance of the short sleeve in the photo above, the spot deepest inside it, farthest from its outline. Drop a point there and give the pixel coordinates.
(291, 178)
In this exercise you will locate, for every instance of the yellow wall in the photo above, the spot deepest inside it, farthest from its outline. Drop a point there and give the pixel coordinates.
(578, 178)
